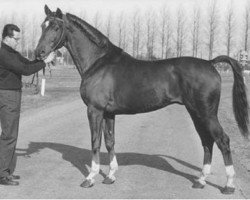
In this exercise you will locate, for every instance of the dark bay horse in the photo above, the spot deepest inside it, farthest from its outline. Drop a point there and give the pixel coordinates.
(115, 83)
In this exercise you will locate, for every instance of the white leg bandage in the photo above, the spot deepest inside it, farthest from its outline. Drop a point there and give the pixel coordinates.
(113, 168)
(204, 174)
(230, 175)
(95, 168)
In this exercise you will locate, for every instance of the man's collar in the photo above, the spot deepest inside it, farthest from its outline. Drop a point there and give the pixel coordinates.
(7, 47)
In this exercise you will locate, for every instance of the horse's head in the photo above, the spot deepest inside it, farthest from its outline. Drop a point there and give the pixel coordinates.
(53, 33)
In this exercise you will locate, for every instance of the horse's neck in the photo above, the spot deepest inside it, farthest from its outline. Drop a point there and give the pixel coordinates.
(82, 51)
(79, 65)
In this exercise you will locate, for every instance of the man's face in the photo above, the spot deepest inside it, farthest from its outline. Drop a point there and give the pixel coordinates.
(14, 40)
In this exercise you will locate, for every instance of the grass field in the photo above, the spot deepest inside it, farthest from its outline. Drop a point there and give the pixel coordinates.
(64, 86)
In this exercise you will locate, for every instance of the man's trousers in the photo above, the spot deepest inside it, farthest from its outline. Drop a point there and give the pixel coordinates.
(10, 105)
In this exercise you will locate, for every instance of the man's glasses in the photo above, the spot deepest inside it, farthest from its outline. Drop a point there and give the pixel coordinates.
(16, 39)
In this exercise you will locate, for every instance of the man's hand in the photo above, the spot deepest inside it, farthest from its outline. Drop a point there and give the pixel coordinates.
(50, 57)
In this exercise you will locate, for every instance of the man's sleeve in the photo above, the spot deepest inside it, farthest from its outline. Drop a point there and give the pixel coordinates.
(26, 61)
(20, 65)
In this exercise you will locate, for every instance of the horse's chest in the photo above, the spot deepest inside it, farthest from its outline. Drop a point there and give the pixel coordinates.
(94, 92)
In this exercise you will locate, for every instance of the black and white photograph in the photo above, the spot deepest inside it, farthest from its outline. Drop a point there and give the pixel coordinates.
(124, 99)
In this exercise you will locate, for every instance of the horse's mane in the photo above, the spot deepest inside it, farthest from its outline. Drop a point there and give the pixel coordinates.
(93, 34)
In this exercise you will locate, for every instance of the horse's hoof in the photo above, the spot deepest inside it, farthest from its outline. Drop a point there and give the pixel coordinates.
(198, 185)
(228, 190)
(108, 181)
(87, 183)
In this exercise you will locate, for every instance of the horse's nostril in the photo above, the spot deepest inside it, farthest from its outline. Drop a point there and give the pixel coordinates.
(39, 53)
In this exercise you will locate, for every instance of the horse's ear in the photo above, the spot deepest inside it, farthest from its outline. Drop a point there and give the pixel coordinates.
(59, 13)
(47, 10)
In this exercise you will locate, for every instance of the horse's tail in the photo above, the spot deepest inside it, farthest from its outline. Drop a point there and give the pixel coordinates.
(240, 103)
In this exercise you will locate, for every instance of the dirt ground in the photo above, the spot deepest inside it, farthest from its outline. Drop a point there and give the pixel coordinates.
(159, 153)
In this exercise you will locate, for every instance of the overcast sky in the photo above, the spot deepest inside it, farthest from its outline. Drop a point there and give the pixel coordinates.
(30, 6)
(90, 7)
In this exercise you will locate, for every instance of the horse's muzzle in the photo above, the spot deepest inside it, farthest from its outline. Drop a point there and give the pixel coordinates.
(40, 54)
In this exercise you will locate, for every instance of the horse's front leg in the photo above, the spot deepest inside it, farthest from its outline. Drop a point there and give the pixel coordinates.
(109, 135)
(95, 117)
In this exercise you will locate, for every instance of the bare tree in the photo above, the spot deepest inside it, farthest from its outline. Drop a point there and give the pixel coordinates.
(180, 32)
(213, 19)
(169, 34)
(97, 22)
(135, 16)
(166, 32)
(163, 30)
(196, 31)
(23, 27)
(108, 25)
(151, 33)
(122, 34)
(229, 27)
(124, 40)
(34, 36)
(136, 33)
(148, 34)
(120, 29)
(246, 26)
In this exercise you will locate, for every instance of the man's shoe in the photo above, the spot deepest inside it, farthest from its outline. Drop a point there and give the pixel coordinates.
(7, 181)
(14, 177)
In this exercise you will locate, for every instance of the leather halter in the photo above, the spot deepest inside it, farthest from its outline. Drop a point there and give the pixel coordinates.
(62, 35)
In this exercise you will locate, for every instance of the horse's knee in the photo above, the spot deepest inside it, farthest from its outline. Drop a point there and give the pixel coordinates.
(109, 145)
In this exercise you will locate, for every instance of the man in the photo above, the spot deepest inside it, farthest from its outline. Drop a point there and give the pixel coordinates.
(12, 67)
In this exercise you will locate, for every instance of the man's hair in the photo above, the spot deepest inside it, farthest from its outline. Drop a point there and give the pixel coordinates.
(8, 30)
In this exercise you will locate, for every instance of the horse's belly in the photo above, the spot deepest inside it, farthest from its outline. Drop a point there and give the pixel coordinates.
(141, 102)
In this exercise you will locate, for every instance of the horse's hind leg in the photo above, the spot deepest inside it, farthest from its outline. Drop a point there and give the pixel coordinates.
(214, 132)
(223, 142)
(109, 135)
(95, 117)
(207, 143)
